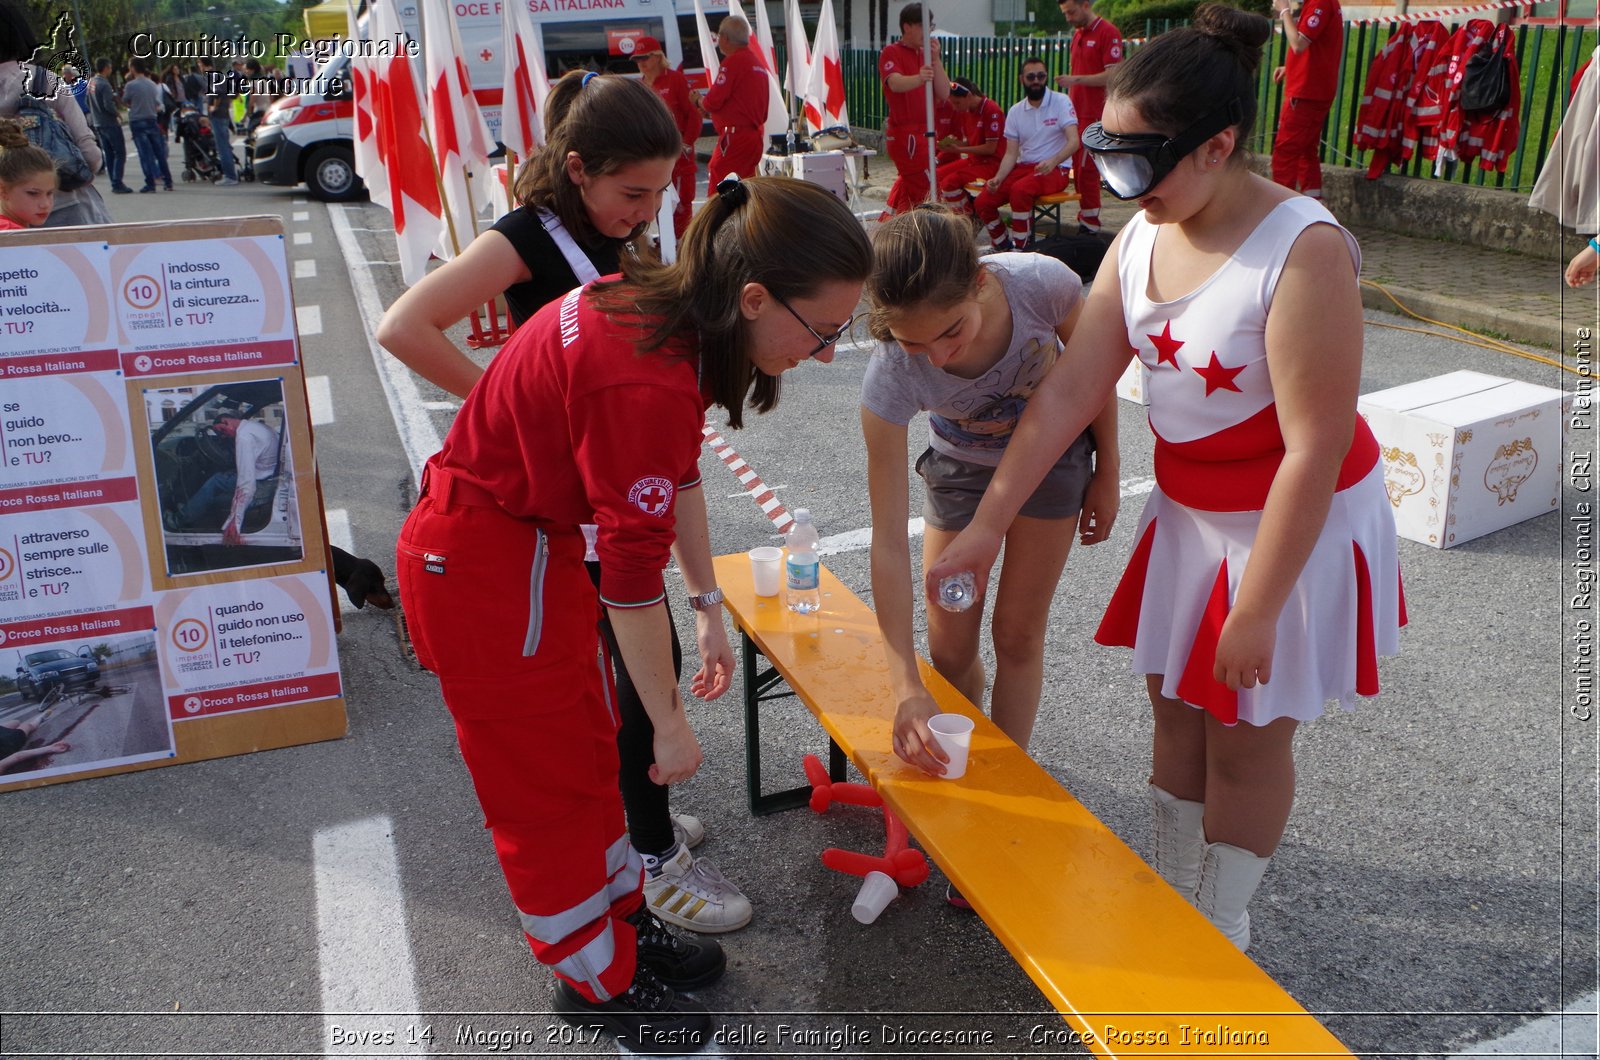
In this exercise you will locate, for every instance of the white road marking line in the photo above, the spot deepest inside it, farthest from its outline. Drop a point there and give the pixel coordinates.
(441, 406)
(363, 949)
(1569, 1033)
(340, 536)
(308, 319)
(298, 201)
(319, 398)
(856, 540)
(305, 268)
(300, 215)
(302, 239)
(418, 436)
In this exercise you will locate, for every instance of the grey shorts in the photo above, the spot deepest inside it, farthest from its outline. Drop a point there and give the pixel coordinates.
(955, 486)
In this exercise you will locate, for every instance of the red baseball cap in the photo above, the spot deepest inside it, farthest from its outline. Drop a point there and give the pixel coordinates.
(646, 46)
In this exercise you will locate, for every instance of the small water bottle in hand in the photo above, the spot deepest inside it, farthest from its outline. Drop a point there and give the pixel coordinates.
(958, 591)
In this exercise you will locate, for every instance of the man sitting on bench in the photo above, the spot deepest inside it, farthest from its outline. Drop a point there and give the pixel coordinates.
(1041, 138)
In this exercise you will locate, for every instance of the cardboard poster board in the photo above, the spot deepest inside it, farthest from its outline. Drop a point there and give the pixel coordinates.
(151, 398)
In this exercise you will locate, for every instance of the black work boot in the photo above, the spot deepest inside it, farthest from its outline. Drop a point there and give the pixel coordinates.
(682, 963)
(648, 1018)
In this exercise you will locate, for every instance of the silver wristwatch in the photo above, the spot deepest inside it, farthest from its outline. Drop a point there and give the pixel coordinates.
(706, 601)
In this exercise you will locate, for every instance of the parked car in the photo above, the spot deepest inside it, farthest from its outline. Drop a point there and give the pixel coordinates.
(41, 672)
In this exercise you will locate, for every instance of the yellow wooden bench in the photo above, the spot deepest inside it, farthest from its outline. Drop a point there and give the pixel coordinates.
(1048, 208)
(1132, 967)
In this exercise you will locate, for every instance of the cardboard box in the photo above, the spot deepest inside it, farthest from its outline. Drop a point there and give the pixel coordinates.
(1467, 454)
(1134, 385)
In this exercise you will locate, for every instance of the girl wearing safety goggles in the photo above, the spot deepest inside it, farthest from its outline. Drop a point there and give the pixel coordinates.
(1264, 581)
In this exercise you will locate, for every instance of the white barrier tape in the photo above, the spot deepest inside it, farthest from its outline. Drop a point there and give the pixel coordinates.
(759, 492)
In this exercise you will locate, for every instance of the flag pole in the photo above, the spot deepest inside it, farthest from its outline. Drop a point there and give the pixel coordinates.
(927, 95)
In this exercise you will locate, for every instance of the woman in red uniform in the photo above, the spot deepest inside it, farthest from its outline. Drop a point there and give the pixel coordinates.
(592, 414)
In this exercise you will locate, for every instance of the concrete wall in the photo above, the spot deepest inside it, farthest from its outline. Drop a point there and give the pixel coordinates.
(1431, 209)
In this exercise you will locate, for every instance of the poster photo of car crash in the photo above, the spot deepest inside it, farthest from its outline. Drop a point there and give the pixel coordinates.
(81, 704)
(224, 464)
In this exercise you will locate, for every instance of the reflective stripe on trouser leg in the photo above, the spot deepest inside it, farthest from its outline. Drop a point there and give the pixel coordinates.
(1087, 177)
(535, 732)
(1021, 227)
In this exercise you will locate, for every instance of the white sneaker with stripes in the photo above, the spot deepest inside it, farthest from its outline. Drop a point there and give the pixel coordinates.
(690, 893)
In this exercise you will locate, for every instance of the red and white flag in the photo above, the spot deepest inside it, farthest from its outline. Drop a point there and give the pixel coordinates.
(761, 44)
(460, 139)
(798, 73)
(363, 93)
(524, 80)
(413, 185)
(825, 105)
(710, 58)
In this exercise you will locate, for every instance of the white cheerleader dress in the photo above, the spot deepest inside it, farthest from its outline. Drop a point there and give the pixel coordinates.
(1218, 446)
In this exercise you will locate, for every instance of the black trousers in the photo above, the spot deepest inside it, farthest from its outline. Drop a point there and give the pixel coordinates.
(644, 801)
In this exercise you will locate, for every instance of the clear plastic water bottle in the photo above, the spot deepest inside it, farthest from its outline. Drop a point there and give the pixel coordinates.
(958, 591)
(802, 568)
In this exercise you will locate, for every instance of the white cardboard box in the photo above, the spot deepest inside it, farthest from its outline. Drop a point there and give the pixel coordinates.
(1134, 385)
(1466, 454)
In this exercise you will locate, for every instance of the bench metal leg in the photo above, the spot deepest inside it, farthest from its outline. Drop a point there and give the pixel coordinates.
(758, 687)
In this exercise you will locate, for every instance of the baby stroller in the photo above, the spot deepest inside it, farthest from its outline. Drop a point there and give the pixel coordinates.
(200, 161)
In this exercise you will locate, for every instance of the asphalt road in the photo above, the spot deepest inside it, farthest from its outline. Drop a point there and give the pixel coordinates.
(1435, 889)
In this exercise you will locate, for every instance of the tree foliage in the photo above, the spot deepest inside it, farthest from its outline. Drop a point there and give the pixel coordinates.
(106, 28)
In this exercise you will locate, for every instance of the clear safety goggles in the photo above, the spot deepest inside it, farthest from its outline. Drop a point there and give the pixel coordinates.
(1133, 163)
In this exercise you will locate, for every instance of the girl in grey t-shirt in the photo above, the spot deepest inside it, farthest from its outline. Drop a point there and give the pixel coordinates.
(969, 343)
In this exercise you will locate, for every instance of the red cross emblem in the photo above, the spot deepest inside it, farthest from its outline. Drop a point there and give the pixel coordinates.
(652, 495)
(486, 55)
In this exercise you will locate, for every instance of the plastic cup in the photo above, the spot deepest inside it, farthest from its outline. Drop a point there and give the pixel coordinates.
(766, 566)
(953, 734)
(877, 891)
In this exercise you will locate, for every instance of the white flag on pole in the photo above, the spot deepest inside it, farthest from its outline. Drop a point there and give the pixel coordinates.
(524, 79)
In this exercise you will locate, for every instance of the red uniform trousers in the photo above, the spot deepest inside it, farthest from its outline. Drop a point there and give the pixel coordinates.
(738, 151)
(1294, 152)
(1087, 177)
(504, 613)
(1021, 187)
(683, 177)
(954, 177)
(908, 150)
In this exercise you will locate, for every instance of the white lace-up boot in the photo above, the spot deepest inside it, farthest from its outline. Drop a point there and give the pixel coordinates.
(1180, 840)
(1229, 876)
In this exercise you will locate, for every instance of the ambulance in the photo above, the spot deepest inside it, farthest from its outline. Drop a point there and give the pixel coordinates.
(306, 138)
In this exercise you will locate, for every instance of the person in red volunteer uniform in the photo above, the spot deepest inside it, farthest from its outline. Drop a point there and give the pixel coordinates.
(975, 151)
(502, 609)
(1310, 74)
(1096, 48)
(905, 134)
(573, 224)
(673, 89)
(737, 103)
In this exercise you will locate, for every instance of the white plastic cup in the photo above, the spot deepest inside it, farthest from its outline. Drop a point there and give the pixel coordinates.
(766, 567)
(953, 734)
(877, 891)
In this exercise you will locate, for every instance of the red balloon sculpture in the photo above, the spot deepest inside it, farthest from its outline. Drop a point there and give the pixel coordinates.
(899, 860)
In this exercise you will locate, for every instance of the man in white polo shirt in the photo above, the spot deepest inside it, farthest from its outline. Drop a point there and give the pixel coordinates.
(255, 459)
(1041, 138)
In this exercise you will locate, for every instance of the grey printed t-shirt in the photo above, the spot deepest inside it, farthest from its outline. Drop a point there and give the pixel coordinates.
(972, 419)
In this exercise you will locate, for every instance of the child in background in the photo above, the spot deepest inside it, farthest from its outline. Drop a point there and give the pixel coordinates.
(969, 342)
(27, 179)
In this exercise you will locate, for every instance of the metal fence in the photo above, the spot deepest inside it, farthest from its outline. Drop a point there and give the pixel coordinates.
(1547, 57)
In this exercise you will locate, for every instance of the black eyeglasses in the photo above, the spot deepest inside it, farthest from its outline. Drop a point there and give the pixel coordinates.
(1036, 77)
(823, 341)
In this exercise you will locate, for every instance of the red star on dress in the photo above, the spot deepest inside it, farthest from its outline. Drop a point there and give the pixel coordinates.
(1167, 347)
(1219, 378)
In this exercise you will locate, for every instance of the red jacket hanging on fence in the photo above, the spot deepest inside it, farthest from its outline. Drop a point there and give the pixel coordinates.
(1490, 136)
(1424, 101)
(1395, 95)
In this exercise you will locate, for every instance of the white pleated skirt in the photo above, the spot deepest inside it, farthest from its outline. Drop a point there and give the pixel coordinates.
(1344, 612)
